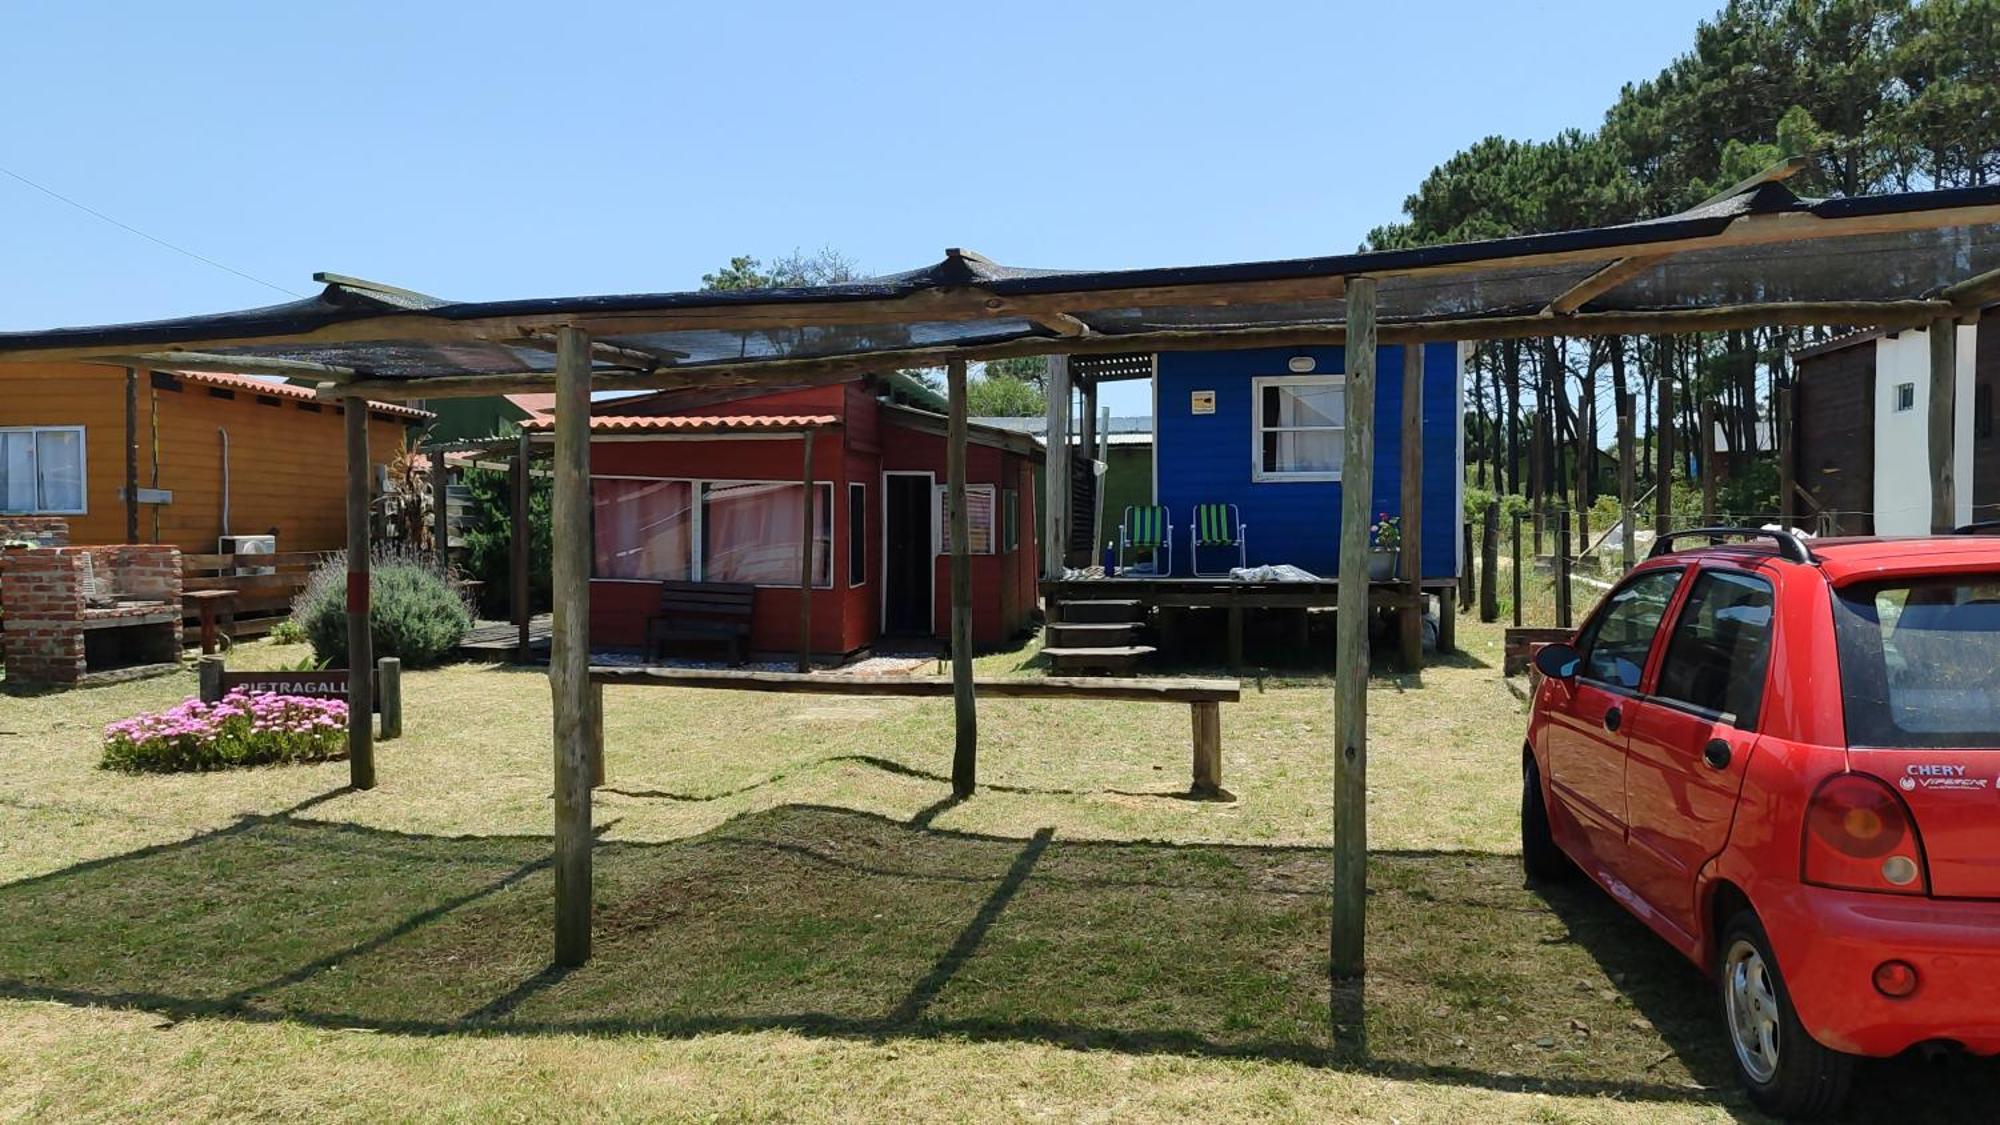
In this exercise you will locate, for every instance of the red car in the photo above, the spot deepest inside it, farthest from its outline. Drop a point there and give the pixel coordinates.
(1782, 757)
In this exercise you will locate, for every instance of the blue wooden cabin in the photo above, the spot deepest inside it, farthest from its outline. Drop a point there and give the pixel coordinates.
(1247, 428)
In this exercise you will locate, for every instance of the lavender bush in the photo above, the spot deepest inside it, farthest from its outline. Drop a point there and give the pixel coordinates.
(242, 729)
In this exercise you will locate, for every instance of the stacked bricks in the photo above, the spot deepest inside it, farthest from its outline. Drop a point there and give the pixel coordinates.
(42, 531)
(45, 613)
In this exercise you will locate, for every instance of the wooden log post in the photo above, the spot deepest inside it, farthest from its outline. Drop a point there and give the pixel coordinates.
(1562, 569)
(1515, 546)
(441, 512)
(1465, 552)
(1788, 507)
(1489, 563)
(569, 653)
(360, 643)
(389, 689)
(208, 678)
(1410, 618)
(1663, 442)
(965, 709)
(1536, 506)
(1350, 695)
(1943, 419)
(1705, 453)
(1055, 472)
(1447, 620)
(596, 735)
(1628, 550)
(1207, 749)
(517, 555)
(806, 557)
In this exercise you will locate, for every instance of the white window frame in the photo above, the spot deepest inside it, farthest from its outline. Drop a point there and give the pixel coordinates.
(82, 470)
(698, 564)
(1258, 474)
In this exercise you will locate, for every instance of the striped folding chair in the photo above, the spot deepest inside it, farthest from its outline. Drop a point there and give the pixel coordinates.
(1217, 525)
(1147, 527)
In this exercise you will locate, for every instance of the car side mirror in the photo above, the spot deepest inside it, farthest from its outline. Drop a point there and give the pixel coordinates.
(1558, 660)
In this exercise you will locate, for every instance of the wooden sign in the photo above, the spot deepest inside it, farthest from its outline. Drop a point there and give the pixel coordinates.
(327, 684)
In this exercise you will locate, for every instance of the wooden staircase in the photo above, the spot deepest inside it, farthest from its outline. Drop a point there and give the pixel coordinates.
(1096, 636)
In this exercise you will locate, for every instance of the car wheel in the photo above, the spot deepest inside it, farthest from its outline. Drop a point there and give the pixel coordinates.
(1541, 859)
(1788, 1073)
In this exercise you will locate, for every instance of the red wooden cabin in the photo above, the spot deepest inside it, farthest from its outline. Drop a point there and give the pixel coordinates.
(706, 486)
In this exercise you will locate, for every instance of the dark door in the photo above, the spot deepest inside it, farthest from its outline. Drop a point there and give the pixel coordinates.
(1689, 742)
(1586, 735)
(907, 565)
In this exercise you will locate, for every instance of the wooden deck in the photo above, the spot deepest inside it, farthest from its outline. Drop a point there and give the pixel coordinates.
(1169, 595)
(498, 640)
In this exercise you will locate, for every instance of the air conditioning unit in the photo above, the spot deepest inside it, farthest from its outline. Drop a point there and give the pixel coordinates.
(249, 545)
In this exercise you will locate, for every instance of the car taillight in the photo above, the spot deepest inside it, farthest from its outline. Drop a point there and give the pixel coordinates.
(1860, 837)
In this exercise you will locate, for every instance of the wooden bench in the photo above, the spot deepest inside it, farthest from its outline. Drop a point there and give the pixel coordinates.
(1203, 697)
(702, 611)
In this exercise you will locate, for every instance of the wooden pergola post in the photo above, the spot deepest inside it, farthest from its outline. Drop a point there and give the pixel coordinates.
(1055, 519)
(517, 552)
(965, 748)
(1943, 419)
(131, 455)
(1410, 617)
(1350, 692)
(1663, 441)
(1706, 454)
(440, 511)
(805, 557)
(1629, 550)
(569, 653)
(360, 643)
(1788, 508)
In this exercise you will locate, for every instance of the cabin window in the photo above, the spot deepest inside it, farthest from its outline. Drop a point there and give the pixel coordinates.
(642, 528)
(979, 519)
(857, 538)
(750, 532)
(41, 470)
(1906, 397)
(1297, 427)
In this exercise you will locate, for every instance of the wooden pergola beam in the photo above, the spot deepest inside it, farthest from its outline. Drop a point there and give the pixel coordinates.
(1603, 281)
(618, 355)
(1899, 314)
(238, 365)
(1975, 292)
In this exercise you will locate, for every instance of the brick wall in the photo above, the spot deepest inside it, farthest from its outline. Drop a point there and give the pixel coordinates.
(42, 531)
(44, 615)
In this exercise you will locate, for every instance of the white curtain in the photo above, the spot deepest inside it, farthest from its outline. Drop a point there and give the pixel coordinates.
(643, 529)
(17, 472)
(750, 533)
(59, 465)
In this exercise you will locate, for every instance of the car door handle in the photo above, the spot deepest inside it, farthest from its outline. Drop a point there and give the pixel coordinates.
(1612, 718)
(1716, 754)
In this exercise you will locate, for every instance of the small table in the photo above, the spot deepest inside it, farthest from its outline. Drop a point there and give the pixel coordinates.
(211, 604)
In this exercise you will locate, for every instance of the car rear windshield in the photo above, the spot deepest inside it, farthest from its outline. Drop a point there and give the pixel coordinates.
(1920, 661)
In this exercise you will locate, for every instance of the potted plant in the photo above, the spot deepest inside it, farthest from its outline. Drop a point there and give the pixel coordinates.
(1385, 542)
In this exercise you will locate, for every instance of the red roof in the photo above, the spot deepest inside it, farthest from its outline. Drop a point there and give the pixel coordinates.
(290, 390)
(698, 423)
(534, 405)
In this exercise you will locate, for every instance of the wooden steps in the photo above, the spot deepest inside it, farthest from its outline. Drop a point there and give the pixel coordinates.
(1101, 636)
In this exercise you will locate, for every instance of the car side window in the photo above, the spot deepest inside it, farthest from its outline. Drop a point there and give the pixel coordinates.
(1720, 646)
(1615, 643)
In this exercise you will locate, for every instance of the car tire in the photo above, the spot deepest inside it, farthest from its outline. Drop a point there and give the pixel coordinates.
(1541, 860)
(1786, 1071)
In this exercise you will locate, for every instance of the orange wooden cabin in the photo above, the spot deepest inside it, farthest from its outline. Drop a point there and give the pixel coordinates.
(217, 455)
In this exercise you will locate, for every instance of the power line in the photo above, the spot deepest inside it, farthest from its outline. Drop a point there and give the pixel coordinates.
(56, 195)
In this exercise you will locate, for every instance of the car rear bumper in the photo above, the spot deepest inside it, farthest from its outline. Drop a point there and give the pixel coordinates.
(1830, 943)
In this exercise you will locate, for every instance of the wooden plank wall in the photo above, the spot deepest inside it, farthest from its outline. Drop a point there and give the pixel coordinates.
(1835, 434)
(285, 461)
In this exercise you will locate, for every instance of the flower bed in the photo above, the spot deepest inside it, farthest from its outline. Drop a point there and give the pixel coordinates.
(242, 729)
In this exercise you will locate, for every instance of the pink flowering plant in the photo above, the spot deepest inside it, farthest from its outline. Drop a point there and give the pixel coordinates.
(243, 728)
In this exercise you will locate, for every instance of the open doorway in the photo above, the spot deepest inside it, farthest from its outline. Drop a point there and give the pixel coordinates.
(908, 553)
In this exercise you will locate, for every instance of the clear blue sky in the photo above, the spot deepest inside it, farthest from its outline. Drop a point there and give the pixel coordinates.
(512, 149)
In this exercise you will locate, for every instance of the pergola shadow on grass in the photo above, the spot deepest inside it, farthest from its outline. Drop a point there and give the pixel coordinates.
(845, 924)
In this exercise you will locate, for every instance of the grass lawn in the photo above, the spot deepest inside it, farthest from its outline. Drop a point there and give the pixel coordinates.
(793, 924)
